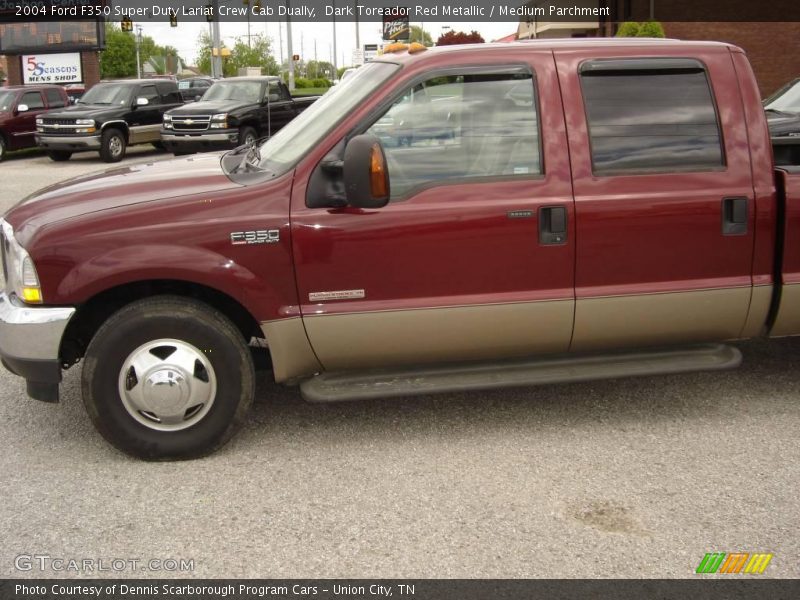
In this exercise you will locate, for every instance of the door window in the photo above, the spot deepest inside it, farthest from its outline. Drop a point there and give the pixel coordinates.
(149, 92)
(461, 127)
(650, 119)
(54, 98)
(33, 100)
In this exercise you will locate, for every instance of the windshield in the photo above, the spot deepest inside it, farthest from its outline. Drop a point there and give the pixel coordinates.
(6, 101)
(788, 99)
(280, 152)
(244, 91)
(107, 93)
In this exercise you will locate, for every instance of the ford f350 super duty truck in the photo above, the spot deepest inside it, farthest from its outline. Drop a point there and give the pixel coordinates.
(577, 209)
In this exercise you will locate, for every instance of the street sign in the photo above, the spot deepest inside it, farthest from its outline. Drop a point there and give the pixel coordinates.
(370, 52)
(358, 58)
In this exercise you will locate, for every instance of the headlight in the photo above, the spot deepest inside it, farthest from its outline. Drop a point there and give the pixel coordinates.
(85, 122)
(39, 121)
(18, 268)
(167, 122)
(219, 121)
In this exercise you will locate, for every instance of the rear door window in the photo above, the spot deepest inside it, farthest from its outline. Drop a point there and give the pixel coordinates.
(654, 115)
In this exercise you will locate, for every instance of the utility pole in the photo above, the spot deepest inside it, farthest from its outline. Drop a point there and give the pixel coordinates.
(303, 53)
(335, 66)
(216, 42)
(280, 42)
(316, 62)
(289, 47)
(138, 43)
(358, 37)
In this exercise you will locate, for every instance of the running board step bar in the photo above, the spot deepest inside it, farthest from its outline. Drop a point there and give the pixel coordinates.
(363, 385)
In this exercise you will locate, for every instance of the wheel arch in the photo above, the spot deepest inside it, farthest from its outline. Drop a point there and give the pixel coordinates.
(91, 314)
(121, 125)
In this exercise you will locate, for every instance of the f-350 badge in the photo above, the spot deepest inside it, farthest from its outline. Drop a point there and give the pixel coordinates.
(259, 236)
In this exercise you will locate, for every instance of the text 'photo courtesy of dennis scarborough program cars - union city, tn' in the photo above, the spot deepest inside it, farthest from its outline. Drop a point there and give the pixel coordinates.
(430, 224)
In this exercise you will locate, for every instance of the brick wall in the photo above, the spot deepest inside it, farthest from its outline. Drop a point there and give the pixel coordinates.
(90, 61)
(770, 47)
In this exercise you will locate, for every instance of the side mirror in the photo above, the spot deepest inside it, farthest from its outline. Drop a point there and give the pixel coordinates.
(22, 108)
(197, 97)
(142, 101)
(365, 172)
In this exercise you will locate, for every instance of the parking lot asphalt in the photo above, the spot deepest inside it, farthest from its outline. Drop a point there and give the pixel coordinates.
(622, 478)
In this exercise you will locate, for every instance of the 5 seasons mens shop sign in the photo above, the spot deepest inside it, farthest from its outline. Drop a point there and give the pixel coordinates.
(52, 68)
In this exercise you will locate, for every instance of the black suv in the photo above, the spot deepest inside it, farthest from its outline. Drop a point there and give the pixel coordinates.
(234, 111)
(109, 117)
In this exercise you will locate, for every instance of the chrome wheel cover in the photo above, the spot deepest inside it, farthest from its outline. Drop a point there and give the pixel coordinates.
(167, 385)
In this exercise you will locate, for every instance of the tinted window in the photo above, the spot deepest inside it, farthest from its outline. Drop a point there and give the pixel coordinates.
(149, 92)
(108, 93)
(461, 127)
(32, 99)
(654, 120)
(54, 98)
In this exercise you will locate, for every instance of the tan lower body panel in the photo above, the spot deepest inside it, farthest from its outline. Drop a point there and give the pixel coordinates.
(788, 320)
(759, 311)
(377, 339)
(289, 349)
(139, 134)
(656, 319)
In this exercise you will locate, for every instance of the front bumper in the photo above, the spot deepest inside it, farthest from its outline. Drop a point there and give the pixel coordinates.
(30, 338)
(73, 143)
(202, 141)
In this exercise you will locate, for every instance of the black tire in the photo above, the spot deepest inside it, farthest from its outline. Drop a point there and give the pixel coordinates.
(158, 145)
(112, 145)
(247, 134)
(191, 323)
(2, 148)
(59, 155)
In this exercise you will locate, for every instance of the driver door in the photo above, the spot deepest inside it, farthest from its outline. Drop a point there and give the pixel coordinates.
(473, 258)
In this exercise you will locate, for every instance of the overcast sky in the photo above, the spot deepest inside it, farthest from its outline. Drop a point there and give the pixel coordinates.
(184, 37)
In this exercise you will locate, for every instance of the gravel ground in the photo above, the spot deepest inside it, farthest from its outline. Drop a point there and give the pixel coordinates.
(628, 478)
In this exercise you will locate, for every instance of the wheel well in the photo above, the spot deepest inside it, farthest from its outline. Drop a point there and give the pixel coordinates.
(94, 312)
(123, 127)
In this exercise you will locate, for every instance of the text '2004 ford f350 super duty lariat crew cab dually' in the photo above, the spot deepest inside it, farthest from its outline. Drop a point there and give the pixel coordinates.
(549, 211)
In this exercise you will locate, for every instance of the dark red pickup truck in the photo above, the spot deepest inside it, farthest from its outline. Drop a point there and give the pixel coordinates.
(464, 217)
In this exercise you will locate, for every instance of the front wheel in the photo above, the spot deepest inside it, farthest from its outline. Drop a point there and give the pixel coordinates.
(112, 145)
(247, 135)
(168, 378)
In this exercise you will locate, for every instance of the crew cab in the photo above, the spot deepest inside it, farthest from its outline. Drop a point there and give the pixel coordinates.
(233, 111)
(108, 118)
(599, 208)
(19, 107)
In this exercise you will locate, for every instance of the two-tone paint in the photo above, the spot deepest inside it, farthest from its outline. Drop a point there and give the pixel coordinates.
(446, 273)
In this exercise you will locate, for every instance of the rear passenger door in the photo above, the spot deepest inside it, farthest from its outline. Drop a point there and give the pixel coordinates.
(663, 197)
(473, 257)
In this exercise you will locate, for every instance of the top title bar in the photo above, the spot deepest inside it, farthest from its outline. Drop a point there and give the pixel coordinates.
(376, 10)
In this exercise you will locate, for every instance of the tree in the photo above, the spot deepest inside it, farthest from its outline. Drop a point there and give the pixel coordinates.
(651, 29)
(418, 35)
(119, 57)
(256, 54)
(459, 37)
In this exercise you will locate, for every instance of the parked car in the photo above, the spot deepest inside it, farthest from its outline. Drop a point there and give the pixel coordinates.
(193, 88)
(108, 118)
(74, 91)
(599, 198)
(234, 111)
(20, 105)
(783, 111)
